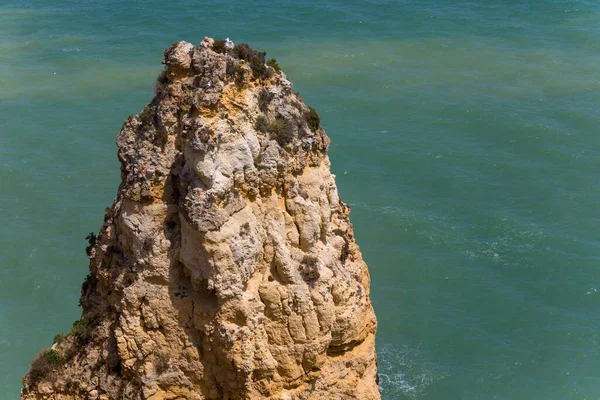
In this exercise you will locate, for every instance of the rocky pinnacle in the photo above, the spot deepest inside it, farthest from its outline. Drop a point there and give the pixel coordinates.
(226, 267)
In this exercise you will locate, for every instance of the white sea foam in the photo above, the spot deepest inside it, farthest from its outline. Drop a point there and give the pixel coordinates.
(403, 374)
(591, 291)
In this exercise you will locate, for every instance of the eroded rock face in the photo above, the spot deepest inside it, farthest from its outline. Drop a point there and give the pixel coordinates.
(226, 267)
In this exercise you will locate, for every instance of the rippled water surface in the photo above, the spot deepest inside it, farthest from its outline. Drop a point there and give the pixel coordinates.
(464, 136)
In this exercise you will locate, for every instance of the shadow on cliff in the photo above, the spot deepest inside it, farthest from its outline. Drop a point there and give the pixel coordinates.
(196, 305)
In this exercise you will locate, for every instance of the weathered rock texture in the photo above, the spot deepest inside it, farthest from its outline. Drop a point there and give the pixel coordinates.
(226, 267)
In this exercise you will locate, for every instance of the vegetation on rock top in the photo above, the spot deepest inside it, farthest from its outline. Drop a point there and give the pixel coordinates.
(256, 59)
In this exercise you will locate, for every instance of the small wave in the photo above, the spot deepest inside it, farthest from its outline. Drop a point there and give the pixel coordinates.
(71, 49)
(398, 380)
(403, 374)
(591, 291)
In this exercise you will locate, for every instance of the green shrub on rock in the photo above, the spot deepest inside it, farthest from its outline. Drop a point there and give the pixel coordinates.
(264, 98)
(256, 59)
(161, 82)
(46, 361)
(52, 357)
(219, 46)
(273, 64)
(261, 124)
(282, 130)
(312, 119)
(82, 330)
(240, 76)
(58, 339)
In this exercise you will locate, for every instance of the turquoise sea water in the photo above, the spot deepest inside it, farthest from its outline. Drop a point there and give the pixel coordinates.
(465, 136)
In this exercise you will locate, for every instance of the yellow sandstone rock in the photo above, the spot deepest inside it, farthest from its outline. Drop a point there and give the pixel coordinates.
(226, 267)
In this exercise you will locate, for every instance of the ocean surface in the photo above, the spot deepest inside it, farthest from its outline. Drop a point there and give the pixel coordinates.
(465, 137)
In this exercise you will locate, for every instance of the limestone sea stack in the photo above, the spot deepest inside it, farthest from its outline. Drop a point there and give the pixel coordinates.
(226, 267)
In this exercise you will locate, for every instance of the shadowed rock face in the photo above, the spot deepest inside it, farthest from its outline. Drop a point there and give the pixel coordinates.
(226, 267)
